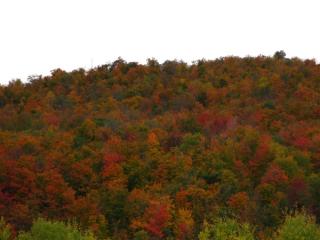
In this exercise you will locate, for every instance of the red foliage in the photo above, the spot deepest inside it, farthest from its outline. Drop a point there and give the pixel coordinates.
(183, 231)
(158, 219)
(182, 198)
(260, 158)
(257, 117)
(239, 200)
(204, 118)
(241, 168)
(57, 198)
(111, 160)
(302, 142)
(274, 175)
(216, 123)
(299, 135)
(51, 119)
(297, 191)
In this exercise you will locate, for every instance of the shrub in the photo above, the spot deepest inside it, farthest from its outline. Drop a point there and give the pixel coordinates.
(50, 230)
(298, 226)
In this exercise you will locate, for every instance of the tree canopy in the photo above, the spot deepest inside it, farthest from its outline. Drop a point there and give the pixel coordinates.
(156, 151)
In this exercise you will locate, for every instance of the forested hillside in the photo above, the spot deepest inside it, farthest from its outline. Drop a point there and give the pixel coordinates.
(164, 151)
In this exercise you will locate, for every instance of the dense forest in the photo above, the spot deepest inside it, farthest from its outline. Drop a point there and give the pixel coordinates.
(217, 149)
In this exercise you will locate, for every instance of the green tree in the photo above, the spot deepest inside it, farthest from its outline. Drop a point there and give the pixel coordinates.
(5, 232)
(228, 229)
(192, 142)
(298, 226)
(279, 54)
(49, 230)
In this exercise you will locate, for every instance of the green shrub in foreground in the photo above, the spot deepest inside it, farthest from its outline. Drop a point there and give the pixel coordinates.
(50, 230)
(228, 229)
(298, 226)
(5, 232)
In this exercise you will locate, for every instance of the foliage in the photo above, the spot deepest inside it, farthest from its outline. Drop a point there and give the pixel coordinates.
(133, 151)
(5, 231)
(298, 226)
(227, 229)
(44, 229)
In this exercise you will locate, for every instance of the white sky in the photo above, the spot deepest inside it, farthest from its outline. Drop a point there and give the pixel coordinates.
(37, 36)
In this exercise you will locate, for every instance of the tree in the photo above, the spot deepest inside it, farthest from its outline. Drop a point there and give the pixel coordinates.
(227, 229)
(5, 232)
(150, 151)
(158, 218)
(275, 175)
(279, 54)
(192, 142)
(240, 204)
(51, 230)
(298, 192)
(184, 225)
(298, 226)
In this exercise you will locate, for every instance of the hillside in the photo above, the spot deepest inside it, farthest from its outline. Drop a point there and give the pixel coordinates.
(159, 151)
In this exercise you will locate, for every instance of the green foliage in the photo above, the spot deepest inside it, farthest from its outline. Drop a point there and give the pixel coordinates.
(61, 102)
(141, 235)
(263, 88)
(5, 232)
(314, 182)
(51, 230)
(298, 226)
(227, 229)
(85, 133)
(191, 142)
(279, 54)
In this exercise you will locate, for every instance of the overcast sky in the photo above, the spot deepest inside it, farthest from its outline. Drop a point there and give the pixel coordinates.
(40, 35)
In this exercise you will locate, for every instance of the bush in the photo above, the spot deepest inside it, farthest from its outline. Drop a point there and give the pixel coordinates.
(5, 232)
(49, 230)
(298, 226)
(228, 229)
